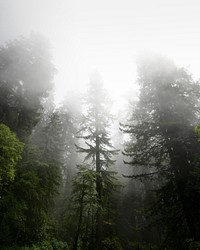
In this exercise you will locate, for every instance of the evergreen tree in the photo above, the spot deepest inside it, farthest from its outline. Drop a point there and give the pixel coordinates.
(10, 153)
(55, 138)
(94, 131)
(164, 144)
(26, 77)
(27, 209)
(82, 208)
(69, 159)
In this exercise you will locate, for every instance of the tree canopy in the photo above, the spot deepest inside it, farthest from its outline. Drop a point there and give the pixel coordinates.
(10, 153)
(26, 77)
(163, 141)
(94, 130)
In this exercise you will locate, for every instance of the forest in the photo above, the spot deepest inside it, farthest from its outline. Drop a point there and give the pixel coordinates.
(77, 177)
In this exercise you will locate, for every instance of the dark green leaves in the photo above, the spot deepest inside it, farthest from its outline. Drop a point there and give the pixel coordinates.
(10, 153)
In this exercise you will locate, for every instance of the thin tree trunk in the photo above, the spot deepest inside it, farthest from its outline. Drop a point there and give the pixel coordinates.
(99, 196)
(79, 221)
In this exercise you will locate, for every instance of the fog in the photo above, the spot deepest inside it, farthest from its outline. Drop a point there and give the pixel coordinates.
(106, 36)
(99, 125)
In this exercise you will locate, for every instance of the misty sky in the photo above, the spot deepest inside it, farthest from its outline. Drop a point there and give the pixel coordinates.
(106, 35)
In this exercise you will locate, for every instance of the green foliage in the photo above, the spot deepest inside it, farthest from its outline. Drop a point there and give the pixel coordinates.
(41, 182)
(111, 244)
(50, 245)
(10, 153)
(197, 130)
(94, 131)
(26, 204)
(193, 245)
(59, 245)
(134, 245)
(44, 245)
(95, 127)
(84, 183)
(26, 208)
(82, 206)
(163, 146)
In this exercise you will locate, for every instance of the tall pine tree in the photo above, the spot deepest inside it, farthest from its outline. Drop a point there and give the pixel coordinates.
(26, 77)
(164, 144)
(94, 130)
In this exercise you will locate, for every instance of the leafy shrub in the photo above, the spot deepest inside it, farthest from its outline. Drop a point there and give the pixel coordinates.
(112, 244)
(194, 245)
(59, 245)
(133, 245)
(44, 245)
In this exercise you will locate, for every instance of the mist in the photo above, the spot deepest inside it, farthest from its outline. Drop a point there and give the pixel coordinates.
(99, 125)
(105, 36)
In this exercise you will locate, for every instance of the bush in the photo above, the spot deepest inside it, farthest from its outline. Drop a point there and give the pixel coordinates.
(59, 245)
(44, 245)
(134, 245)
(112, 244)
(194, 245)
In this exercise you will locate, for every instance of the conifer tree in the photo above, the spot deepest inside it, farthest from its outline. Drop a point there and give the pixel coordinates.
(94, 130)
(26, 77)
(28, 207)
(82, 208)
(164, 143)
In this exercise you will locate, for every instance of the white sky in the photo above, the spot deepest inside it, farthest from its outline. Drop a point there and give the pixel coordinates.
(106, 35)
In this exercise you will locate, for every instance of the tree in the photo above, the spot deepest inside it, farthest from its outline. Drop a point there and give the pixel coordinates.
(26, 77)
(94, 130)
(163, 141)
(82, 207)
(28, 208)
(10, 153)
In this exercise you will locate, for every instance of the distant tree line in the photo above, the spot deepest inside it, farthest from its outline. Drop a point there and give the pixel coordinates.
(60, 186)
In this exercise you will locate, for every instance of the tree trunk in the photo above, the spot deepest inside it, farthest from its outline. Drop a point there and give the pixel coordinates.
(183, 173)
(99, 196)
(79, 221)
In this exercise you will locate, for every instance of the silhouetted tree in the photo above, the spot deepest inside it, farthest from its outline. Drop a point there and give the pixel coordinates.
(164, 144)
(94, 130)
(26, 77)
(82, 208)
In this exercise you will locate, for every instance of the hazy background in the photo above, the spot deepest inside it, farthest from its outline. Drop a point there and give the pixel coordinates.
(106, 35)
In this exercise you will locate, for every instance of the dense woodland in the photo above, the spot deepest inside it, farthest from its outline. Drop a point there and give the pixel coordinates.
(76, 177)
